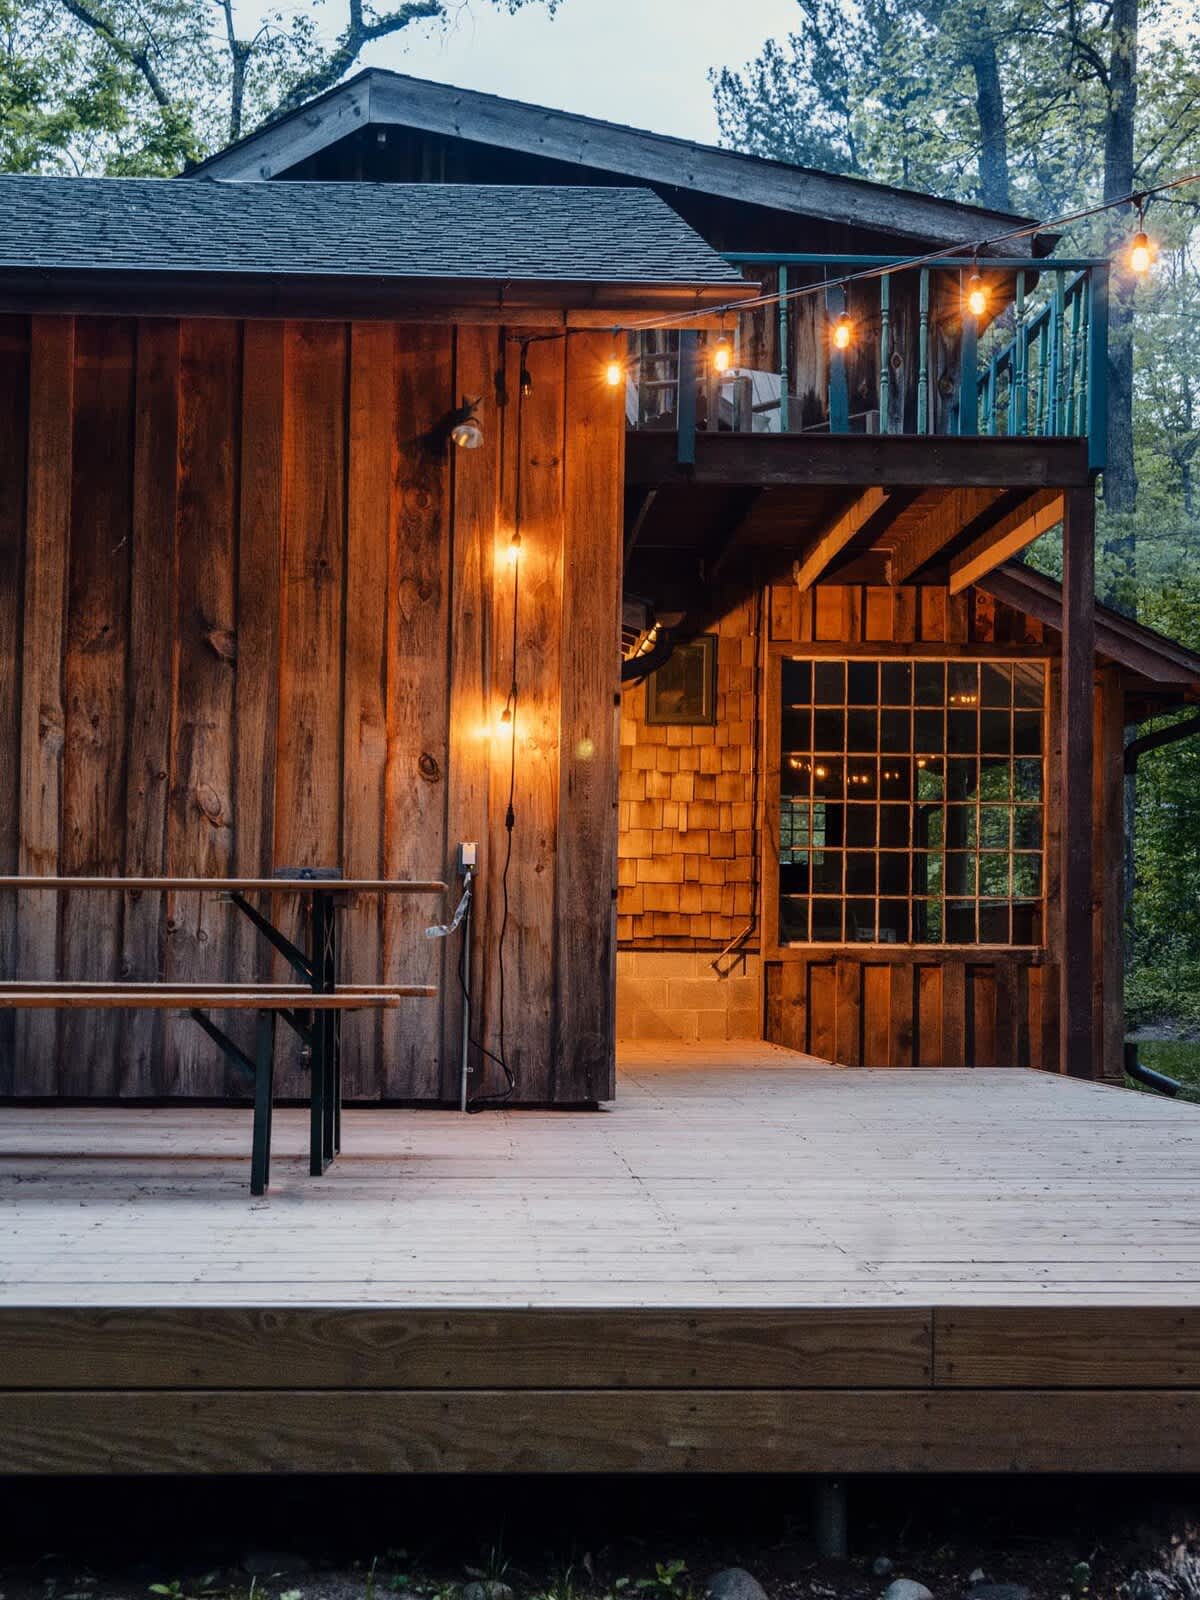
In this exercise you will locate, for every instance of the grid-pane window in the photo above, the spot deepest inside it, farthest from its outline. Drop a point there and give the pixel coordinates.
(912, 802)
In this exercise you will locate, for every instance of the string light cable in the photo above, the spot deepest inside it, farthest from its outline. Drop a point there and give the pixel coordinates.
(969, 249)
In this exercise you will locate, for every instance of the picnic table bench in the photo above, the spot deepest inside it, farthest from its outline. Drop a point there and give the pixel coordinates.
(312, 1006)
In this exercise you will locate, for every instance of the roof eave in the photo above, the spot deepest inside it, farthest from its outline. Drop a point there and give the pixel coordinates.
(153, 292)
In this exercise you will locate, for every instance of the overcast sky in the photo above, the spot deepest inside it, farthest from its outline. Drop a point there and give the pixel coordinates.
(642, 62)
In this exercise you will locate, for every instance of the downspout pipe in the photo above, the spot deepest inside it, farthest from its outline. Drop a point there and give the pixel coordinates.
(1147, 1075)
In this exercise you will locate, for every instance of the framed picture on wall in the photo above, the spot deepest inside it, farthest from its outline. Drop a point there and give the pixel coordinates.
(684, 690)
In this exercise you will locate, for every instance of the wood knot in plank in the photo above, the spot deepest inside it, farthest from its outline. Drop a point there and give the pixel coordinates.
(429, 767)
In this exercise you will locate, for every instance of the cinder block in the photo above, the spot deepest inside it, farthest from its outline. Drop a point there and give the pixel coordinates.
(711, 1025)
(743, 1023)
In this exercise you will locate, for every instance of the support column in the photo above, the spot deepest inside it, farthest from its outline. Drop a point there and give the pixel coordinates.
(1077, 1041)
(830, 1522)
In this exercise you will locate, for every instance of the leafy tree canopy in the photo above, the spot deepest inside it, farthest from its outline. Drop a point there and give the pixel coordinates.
(127, 87)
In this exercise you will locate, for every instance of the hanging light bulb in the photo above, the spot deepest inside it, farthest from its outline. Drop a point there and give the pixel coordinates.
(722, 356)
(843, 333)
(614, 371)
(976, 295)
(1140, 254)
(513, 553)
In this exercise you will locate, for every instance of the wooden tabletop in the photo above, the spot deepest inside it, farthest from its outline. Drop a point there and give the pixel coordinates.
(231, 885)
(165, 998)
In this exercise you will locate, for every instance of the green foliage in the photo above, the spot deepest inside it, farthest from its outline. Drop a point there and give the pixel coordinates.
(147, 87)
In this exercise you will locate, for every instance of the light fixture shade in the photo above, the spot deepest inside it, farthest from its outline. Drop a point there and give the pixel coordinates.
(467, 434)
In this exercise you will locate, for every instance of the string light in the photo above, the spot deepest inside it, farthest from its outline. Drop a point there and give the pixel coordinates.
(1141, 254)
(976, 295)
(843, 333)
(722, 354)
(614, 371)
(513, 553)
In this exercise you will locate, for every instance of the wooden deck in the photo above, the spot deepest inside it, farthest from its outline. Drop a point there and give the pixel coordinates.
(752, 1262)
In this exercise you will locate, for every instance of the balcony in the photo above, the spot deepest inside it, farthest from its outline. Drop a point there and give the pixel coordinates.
(1032, 364)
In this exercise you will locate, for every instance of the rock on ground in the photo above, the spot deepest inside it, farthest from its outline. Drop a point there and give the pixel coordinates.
(735, 1583)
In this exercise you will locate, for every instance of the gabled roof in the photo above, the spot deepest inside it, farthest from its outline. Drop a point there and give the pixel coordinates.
(1152, 657)
(377, 98)
(528, 235)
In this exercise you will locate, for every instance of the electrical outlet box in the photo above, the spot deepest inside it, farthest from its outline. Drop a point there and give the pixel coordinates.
(467, 858)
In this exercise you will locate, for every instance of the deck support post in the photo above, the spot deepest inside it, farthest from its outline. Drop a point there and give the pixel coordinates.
(1077, 1054)
(829, 1520)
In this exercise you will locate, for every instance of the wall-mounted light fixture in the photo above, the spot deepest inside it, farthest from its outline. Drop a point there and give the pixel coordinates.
(465, 429)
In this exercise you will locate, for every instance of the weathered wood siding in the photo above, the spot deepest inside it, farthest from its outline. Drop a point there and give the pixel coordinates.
(252, 616)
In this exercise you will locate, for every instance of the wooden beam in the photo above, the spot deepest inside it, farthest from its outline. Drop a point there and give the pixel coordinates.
(859, 460)
(1077, 1028)
(1011, 534)
(1067, 1347)
(949, 514)
(862, 516)
(598, 1430)
(355, 1347)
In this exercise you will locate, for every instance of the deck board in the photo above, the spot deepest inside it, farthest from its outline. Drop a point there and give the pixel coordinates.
(990, 1268)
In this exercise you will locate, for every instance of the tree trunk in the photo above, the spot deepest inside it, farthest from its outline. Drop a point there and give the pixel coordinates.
(989, 107)
(1120, 477)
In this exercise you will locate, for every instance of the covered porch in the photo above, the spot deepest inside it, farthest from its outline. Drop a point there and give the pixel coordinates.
(753, 1261)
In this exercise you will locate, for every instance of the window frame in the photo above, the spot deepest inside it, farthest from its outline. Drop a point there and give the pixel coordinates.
(774, 946)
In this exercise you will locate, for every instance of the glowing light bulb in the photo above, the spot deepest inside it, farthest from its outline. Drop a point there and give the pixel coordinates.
(1140, 255)
(843, 333)
(614, 372)
(512, 551)
(467, 434)
(722, 355)
(976, 295)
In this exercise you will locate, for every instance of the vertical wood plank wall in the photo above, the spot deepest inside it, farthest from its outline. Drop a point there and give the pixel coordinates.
(252, 617)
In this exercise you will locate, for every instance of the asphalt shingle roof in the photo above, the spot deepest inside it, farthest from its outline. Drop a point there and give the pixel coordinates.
(441, 231)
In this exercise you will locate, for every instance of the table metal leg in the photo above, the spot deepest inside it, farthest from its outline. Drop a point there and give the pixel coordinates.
(264, 1075)
(326, 1109)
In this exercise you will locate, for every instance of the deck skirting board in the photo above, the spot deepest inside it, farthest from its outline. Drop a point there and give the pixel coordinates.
(394, 1348)
(586, 1430)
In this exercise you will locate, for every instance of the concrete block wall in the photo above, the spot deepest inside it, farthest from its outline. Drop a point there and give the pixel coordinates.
(675, 994)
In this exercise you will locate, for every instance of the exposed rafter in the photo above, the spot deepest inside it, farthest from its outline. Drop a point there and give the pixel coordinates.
(948, 515)
(1006, 538)
(854, 528)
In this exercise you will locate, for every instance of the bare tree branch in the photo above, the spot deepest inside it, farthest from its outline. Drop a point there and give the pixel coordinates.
(359, 32)
(135, 56)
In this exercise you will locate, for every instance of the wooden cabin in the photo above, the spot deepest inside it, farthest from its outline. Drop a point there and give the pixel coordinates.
(795, 749)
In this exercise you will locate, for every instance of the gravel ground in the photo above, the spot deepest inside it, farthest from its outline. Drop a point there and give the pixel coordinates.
(537, 1539)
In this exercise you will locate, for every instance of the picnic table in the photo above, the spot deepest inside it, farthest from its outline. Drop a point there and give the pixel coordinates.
(312, 1006)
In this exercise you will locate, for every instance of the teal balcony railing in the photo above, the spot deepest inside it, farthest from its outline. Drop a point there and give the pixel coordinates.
(919, 361)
